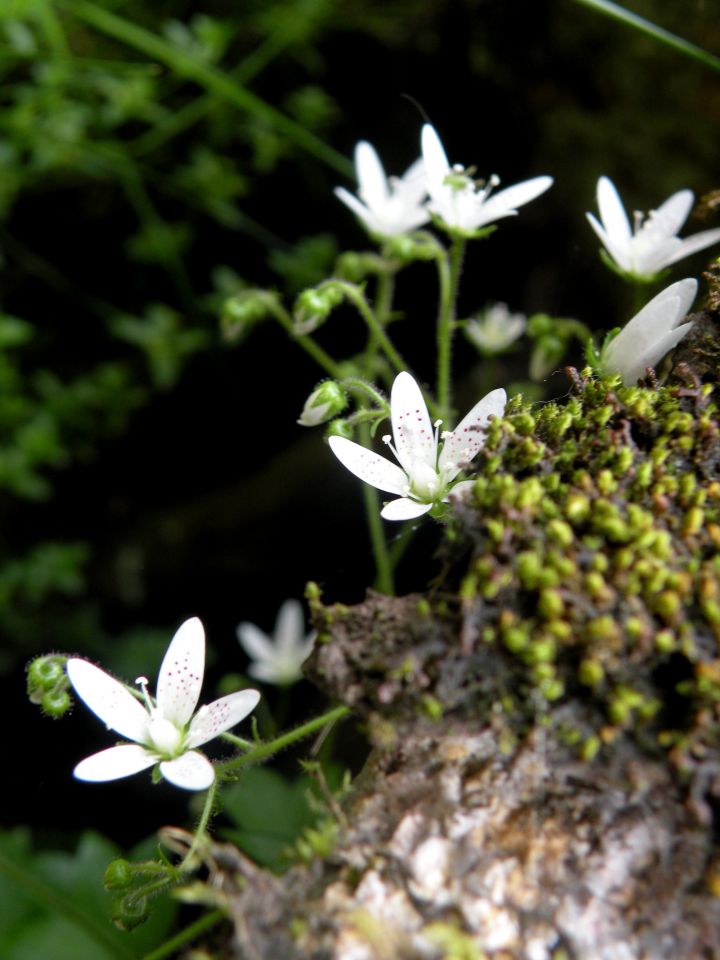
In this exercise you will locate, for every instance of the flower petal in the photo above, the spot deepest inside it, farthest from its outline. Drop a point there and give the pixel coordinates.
(255, 642)
(619, 251)
(672, 214)
(358, 208)
(505, 202)
(436, 165)
(698, 241)
(181, 673)
(372, 182)
(369, 466)
(612, 212)
(191, 771)
(412, 431)
(635, 366)
(114, 763)
(109, 699)
(220, 715)
(404, 509)
(289, 630)
(469, 435)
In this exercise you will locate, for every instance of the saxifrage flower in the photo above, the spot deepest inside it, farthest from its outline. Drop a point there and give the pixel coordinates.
(387, 206)
(458, 200)
(652, 244)
(278, 659)
(426, 474)
(164, 730)
(651, 333)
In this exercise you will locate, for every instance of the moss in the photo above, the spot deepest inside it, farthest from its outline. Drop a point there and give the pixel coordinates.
(593, 539)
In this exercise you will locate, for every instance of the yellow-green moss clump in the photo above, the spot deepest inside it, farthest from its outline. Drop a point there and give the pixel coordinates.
(594, 532)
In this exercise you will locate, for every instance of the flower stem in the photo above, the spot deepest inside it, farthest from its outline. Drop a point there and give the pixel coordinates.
(363, 387)
(355, 295)
(201, 828)
(262, 751)
(190, 932)
(449, 268)
(313, 349)
(383, 567)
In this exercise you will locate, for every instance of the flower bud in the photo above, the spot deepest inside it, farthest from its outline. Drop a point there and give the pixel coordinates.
(356, 267)
(244, 311)
(43, 674)
(118, 875)
(55, 703)
(339, 428)
(326, 401)
(411, 247)
(313, 306)
(129, 912)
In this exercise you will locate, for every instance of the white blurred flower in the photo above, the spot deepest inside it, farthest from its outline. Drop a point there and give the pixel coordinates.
(495, 329)
(278, 659)
(651, 333)
(425, 477)
(652, 244)
(387, 206)
(164, 730)
(458, 200)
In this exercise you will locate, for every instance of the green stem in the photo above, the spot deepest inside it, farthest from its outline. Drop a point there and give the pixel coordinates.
(449, 276)
(374, 326)
(384, 582)
(201, 828)
(191, 932)
(183, 64)
(62, 905)
(384, 297)
(616, 12)
(368, 390)
(263, 751)
(313, 349)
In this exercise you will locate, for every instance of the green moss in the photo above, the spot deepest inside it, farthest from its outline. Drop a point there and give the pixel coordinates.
(595, 558)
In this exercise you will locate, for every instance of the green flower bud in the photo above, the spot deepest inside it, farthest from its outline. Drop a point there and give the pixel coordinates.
(55, 703)
(244, 311)
(325, 402)
(129, 912)
(313, 307)
(118, 875)
(43, 674)
(339, 428)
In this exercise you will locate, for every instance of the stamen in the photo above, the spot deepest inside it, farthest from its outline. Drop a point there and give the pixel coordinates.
(142, 682)
(638, 217)
(388, 440)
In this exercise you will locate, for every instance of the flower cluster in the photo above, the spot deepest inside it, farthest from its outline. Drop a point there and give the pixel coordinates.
(391, 206)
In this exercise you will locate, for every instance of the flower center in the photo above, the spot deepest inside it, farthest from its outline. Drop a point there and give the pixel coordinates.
(165, 736)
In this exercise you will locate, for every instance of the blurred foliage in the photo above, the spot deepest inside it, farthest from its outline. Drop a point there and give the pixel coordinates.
(52, 904)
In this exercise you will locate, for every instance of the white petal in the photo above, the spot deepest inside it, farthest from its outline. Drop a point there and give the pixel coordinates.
(372, 182)
(221, 715)
(505, 202)
(114, 763)
(369, 466)
(698, 241)
(191, 771)
(612, 212)
(289, 626)
(181, 673)
(273, 672)
(412, 431)
(413, 184)
(255, 643)
(404, 509)
(469, 435)
(631, 368)
(619, 251)
(108, 699)
(358, 208)
(672, 214)
(434, 159)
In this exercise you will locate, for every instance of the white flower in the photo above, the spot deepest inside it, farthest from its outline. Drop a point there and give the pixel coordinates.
(278, 658)
(495, 329)
(424, 477)
(164, 731)
(645, 339)
(386, 206)
(458, 200)
(652, 245)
